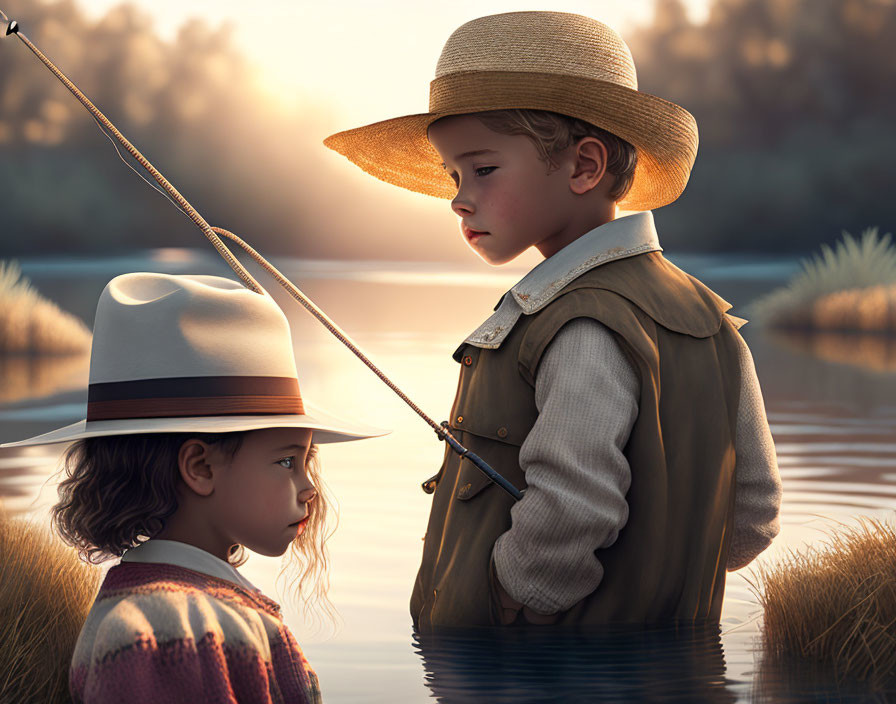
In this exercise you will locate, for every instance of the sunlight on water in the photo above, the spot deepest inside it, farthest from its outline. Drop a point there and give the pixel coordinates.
(834, 428)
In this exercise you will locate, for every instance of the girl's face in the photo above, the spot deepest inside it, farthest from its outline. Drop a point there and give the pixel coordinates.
(262, 496)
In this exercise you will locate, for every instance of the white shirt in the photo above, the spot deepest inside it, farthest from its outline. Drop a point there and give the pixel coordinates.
(547, 560)
(174, 552)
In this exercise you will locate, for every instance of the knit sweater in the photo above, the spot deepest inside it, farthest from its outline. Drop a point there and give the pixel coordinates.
(165, 633)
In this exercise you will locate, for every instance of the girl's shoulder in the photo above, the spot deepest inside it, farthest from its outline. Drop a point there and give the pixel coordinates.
(167, 617)
(146, 603)
(144, 578)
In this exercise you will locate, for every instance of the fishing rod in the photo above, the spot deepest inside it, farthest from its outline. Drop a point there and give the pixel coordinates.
(214, 234)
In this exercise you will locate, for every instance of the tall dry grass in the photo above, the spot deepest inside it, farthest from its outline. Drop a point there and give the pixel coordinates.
(834, 604)
(31, 324)
(45, 594)
(850, 288)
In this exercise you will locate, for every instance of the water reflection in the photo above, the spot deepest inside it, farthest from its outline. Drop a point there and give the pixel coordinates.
(875, 352)
(23, 473)
(834, 425)
(789, 680)
(27, 377)
(542, 665)
(845, 373)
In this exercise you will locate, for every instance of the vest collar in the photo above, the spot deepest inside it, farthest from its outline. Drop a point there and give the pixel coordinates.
(617, 239)
(174, 552)
(623, 237)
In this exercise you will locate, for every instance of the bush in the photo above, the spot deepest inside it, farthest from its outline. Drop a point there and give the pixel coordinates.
(835, 605)
(851, 287)
(45, 595)
(29, 323)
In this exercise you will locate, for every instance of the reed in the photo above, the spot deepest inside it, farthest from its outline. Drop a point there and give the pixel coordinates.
(31, 324)
(834, 605)
(45, 594)
(850, 288)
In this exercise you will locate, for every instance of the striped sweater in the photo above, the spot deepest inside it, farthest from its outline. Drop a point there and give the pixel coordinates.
(165, 633)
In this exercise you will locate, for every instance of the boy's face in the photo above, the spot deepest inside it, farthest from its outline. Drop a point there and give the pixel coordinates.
(506, 198)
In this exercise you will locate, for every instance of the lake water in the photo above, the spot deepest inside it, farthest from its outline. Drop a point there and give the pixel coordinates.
(831, 406)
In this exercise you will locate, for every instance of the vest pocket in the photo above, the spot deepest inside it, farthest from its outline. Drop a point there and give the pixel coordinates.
(471, 480)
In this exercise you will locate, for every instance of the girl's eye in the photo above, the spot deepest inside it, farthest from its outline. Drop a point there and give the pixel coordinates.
(290, 462)
(486, 169)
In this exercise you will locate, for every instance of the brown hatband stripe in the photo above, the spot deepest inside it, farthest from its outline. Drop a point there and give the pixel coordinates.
(194, 396)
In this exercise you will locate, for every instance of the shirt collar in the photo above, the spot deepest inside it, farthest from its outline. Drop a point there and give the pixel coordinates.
(174, 552)
(623, 237)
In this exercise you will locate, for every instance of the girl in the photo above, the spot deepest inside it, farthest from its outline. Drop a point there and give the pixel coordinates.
(197, 445)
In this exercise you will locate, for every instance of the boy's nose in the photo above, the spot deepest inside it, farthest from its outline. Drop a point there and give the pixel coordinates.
(462, 205)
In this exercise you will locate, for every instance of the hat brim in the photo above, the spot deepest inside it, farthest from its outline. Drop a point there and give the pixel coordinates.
(398, 151)
(326, 428)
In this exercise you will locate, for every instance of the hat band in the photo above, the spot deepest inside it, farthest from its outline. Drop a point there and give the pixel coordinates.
(478, 91)
(194, 396)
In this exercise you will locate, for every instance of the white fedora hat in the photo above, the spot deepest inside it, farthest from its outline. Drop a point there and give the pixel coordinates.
(191, 354)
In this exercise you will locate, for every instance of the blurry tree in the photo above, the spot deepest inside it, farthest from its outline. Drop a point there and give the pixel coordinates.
(194, 108)
(795, 103)
(794, 100)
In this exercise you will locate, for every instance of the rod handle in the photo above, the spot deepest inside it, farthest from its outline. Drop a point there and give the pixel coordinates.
(481, 464)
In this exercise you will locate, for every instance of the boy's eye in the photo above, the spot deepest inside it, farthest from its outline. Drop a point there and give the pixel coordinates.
(479, 171)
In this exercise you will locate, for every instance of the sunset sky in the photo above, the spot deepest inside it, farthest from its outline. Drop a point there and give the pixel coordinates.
(365, 61)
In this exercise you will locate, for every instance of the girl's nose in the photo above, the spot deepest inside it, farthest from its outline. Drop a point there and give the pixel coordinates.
(307, 495)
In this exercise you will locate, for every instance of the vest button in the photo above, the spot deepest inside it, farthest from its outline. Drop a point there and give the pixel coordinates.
(460, 419)
(468, 360)
(502, 432)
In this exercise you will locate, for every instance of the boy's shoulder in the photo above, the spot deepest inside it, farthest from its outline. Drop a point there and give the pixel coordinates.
(650, 283)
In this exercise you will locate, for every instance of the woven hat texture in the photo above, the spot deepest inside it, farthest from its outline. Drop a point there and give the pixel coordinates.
(556, 61)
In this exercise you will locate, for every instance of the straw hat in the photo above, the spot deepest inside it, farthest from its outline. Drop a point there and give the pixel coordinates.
(193, 354)
(555, 61)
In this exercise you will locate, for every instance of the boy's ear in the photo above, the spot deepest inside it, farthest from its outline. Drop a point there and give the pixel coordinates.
(590, 164)
(193, 462)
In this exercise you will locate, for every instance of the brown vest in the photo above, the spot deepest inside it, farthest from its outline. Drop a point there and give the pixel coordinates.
(668, 563)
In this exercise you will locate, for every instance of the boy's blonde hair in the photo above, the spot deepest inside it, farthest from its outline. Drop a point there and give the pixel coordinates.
(120, 490)
(552, 132)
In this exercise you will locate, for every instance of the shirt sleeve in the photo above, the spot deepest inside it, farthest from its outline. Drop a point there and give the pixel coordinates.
(758, 491)
(586, 392)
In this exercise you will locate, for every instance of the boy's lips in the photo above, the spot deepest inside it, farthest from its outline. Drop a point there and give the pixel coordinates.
(470, 233)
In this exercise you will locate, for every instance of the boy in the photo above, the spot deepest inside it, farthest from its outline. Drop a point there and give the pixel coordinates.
(611, 385)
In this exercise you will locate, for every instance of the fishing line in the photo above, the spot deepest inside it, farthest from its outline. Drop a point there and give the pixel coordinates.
(145, 180)
(212, 233)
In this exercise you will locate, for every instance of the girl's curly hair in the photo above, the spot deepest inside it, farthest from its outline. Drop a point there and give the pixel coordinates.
(119, 491)
(553, 132)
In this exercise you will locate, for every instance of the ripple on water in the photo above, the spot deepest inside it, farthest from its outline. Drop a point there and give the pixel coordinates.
(837, 462)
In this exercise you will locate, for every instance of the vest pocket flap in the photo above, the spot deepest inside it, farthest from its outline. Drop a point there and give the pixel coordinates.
(486, 423)
(471, 481)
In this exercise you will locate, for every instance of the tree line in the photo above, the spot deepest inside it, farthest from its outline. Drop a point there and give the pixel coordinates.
(794, 101)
